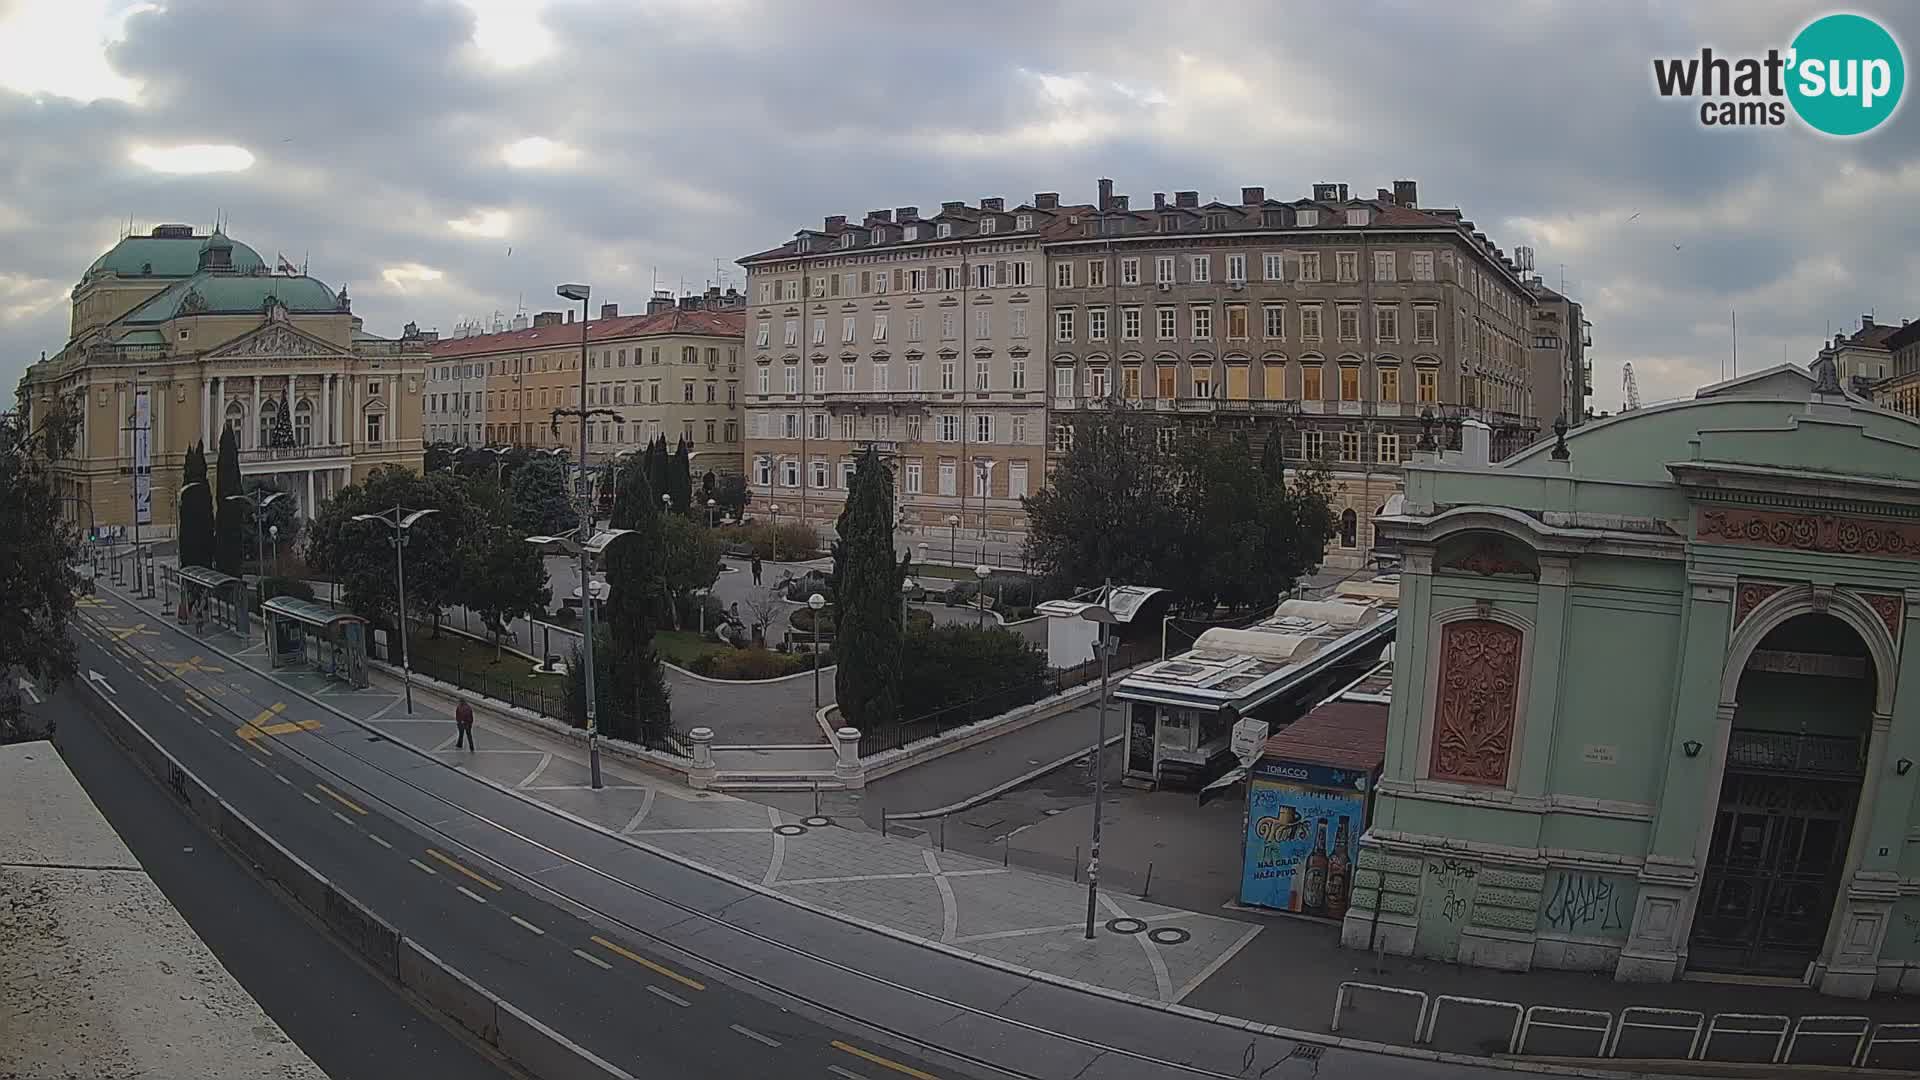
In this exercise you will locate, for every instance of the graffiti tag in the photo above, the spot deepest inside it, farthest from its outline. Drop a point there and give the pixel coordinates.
(1457, 900)
(1584, 902)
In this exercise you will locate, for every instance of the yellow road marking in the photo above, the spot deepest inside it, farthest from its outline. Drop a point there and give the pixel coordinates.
(122, 633)
(196, 663)
(648, 964)
(451, 864)
(885, 1063)
(93, 602)
(341, 799)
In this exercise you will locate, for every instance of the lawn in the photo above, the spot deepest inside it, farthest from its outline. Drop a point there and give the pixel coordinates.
(430, 654)
(680, 647)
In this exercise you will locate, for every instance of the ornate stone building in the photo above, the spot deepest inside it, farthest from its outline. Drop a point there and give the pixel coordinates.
(176, 336)
(1654, 710)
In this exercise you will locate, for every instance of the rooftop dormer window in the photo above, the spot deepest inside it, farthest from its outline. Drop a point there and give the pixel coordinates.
(943, 230)
(1023, 222)
(988, 225)
(1169, 223)
(913, 232)
(846, 240)
(1357, 216)
(1216, 221)
(803, 244)
(1307, 219)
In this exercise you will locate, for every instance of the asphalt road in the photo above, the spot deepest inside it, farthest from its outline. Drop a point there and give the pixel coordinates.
(620, 998)
(312, 987)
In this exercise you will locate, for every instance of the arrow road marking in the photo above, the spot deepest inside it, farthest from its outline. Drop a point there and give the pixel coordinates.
(26, 687)
(95, 677)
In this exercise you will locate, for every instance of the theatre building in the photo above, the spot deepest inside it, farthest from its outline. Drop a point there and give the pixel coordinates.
(1655, 707)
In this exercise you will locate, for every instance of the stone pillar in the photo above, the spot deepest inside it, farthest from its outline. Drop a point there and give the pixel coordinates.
(123, 438)
(847, 766)
(311, 506)
(325, 430)
(703, 771)
(208, 412)
(1541, 709)
(253, 422)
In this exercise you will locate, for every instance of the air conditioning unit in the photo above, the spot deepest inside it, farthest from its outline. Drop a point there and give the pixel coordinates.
(1165, 286)
(1236, 286)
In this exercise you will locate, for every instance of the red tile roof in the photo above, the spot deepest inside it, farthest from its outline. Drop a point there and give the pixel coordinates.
(728, 324)
(1340, 734)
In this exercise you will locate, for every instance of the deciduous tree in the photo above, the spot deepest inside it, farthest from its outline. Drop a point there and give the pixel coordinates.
(541, 503)
(1109, 511)
(504, 578)
(37, 551)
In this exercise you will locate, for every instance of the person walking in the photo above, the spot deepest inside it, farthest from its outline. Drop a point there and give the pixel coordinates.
(756, 570)
(463, 720)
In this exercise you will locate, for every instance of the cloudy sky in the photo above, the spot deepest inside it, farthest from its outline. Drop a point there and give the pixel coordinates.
(449, 158)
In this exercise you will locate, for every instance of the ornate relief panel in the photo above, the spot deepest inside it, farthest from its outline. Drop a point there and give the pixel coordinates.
(1488, 555)
(1751, 595)
(1891, 607)
(1812, 532)
(1478, 700)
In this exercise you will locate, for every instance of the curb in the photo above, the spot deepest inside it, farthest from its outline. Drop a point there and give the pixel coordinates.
(972, 801)
(355, 927)
(1235, 1023)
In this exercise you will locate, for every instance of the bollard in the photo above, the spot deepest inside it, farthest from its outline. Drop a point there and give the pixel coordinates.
(943, 832)
(1076, 862)
(816, 798)
(1149, 886)
(1005, 844)
(883, 821)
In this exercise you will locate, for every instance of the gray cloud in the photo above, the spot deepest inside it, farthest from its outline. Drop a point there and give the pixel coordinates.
(705, 131)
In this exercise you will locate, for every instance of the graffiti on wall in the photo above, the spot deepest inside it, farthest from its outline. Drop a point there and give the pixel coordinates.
(1587, 904)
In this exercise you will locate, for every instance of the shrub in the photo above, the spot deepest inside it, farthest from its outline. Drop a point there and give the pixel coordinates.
(804, 586)
(753, 664)
(947, 665)
(798, 543)
(286, 586)
(802, 620)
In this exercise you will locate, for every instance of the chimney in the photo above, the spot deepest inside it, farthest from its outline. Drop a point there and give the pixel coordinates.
(1343, 193)
(1476, 443)
(835, 221)
(1106, 193)
(1324, 192)
(1382, 195)
(1866, 321)
(1159, 200)
(1406, 193)
(880, 215)
(1046, 200)
(1187, 199)
(1252, 196)
(662, 301)
(949, 207)
(609, 311)
(995, 203)
(569, 316)
(690, 303)
(907, 213)
(546, 318)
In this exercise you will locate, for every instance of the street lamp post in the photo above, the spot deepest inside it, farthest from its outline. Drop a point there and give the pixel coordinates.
(953, 529)
(1103, 615)
(595, 544)
(981, 572)
(400, 520)
(774, 508)
(907, 585)
(816, 602)
(712, 505)
(274, 530)
(259, 500)
(581, 293)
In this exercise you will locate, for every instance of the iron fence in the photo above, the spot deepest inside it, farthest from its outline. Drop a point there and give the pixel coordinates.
(995, 702)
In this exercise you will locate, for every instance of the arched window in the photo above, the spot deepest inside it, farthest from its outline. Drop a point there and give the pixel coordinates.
(236, 421)
(1349, 529)
(268, 412)
(303, 423)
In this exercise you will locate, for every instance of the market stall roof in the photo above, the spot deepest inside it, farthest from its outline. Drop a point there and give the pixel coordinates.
(212, 579)
(1125, 601)
(1339, 734)
(309, 612)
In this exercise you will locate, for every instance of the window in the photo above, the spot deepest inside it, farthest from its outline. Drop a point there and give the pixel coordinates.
(913, 476)
(983, 275)
(947, 376)
(1202, 322)
(1236, 268)
(1422, 265)
(982, 478)
(1389, 384)
(1063, 275)
(879, 328)
(846, 427)
(949, 430)
(881, 377)
(1163, 270)
(1202, 382)
(1386, 323)
(376, 427)
(881, 426)
(847, 377)
(850, 284)
(1310, 376)
(1310, 322)
(1018, 270)
(912, 232)
(949, 277)
(1063, 382)
(1349, 322)
(913, 427)
(913, 328)
(732, 428)
(1168, 321)
(1097, 324)
(947, 485)
(917, 280)
(983, 374)
(1236, 322)
(1271, 269)
(790, 473)
(766, 292)
(1347, 265)
(913, 375)
(1016, 479)
(1018, 380)
(1427, 385)
(982, 323)
(1129, 271)
(1309, 265)
(819, 332)
(1274, 321)
(1426, 322)
(819, 287)
(1062, 438)
(1307, 219)
(1383, 266)
(1023, 222)
(686, 391)
(792, 378)
(1017, 322)
(819, 473)
(983, 427)
(847, 332)
(1201, 267)
(943, 230)
(988, 225)
(817, 425)
(1349, 447)
(1357, 216)
(1130, 382)
(1389, 448)
(1096, 273)
(1349, 382)
(762, 472)
(792, 338)
(949, 326)
(1063, 324)
(766, 332)
(1130, 324)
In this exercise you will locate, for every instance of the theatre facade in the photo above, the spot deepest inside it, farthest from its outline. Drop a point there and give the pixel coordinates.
(1655, 706)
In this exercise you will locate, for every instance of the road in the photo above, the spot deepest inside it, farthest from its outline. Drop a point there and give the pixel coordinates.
(639, 958)
(300, 976)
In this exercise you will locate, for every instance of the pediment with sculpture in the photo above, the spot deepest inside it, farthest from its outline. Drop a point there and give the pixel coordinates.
(275, 340)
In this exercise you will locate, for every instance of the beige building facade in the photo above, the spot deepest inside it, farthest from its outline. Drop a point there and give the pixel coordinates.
(674, 372)
(177, 336)
(921, 337)
(1332, 322)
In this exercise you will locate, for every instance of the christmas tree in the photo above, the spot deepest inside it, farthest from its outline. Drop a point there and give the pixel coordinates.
(282, 426)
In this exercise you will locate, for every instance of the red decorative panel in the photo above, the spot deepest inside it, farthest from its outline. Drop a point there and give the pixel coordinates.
(1750, 596)
(1891, 607)
(1478, 701)
(1813, 532)
(1487, 558)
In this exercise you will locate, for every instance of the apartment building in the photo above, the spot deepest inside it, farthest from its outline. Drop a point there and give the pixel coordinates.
(923, 338)
(1900, 390)
(1561, 372)
(1332, 321)
(673, 371)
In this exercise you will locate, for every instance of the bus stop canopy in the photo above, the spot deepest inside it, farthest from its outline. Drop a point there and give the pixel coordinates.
(310, 612)
(210, 579)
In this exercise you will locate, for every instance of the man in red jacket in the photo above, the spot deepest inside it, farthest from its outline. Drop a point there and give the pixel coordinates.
(463, 719)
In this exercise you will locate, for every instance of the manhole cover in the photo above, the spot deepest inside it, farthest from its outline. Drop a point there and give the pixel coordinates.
(816, 821)
(1169, 935)
(790, 830)
(1126, 925)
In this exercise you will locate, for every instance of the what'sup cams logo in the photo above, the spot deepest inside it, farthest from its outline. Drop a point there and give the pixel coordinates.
(1843, 75)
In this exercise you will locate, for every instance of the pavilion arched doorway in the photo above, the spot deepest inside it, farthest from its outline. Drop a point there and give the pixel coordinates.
(1796, 756)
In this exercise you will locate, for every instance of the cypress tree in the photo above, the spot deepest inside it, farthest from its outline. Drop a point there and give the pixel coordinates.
(196, 510)
(230, 515)
(636, 694)
(866, 589)
(680, 477)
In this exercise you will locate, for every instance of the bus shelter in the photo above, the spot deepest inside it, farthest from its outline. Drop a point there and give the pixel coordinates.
(199, 596)
(307, 633)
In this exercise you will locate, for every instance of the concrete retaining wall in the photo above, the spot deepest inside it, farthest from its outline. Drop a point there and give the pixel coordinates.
(533, 1046)
(888, 762)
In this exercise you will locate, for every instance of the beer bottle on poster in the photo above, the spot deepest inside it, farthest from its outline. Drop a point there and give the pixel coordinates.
(1315, 889)
(1339, 874)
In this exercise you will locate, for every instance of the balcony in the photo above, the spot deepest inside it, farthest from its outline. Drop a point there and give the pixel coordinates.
(273, 455)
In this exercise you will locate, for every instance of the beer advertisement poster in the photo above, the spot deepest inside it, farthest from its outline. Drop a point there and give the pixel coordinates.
(1303, 826)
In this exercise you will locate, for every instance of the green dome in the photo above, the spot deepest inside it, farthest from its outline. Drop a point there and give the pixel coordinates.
(235, 294)
(169, 255)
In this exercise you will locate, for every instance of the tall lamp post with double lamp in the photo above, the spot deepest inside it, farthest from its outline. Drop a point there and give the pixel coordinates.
(1102, 614)
(816, 602)
(981, 572)
(400, 520)
(595, 545)
(259, 499)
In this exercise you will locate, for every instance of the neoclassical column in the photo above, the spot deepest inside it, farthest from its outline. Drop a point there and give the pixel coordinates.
(206, 411)
(253, 422)
(311, 506)
(326, 410)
